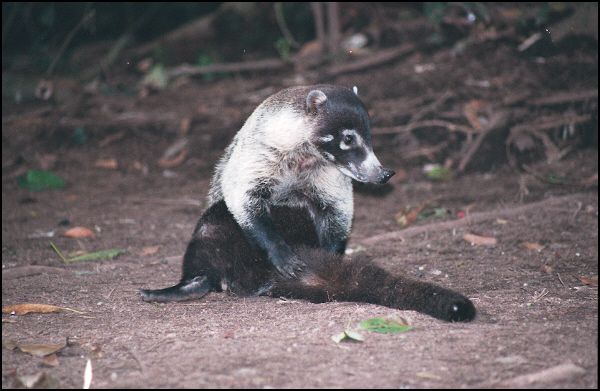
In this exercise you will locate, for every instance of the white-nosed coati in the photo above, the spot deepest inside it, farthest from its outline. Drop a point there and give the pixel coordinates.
(281, 207)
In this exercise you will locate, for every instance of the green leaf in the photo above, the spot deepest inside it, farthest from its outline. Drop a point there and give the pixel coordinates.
(387, 326)
(437, 172)
(96, 256)
(38, 180)
(157, 77)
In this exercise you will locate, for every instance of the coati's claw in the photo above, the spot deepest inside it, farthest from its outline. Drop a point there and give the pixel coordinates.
(291, 267)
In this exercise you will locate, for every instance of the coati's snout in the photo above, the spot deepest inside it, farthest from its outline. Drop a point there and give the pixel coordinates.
(344, 135)
(367, 169)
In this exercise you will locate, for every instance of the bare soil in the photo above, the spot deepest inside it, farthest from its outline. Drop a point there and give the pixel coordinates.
(534, 313)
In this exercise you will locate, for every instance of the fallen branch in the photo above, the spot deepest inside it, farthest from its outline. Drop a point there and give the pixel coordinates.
(565, 97)
(129, 119)
(547, 376)
(269, 64)
(200, 29)
(473, 218)
(425, 124)
(31, 270)
(499, 120)
(378, 58)
(551, 122)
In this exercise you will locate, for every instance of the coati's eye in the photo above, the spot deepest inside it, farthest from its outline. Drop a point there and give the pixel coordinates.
(348, 139)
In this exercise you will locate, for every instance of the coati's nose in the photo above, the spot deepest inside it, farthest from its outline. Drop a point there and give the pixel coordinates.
(386, 174)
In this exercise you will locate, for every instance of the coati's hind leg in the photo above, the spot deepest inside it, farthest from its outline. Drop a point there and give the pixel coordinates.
(331, 277)
(195, 288)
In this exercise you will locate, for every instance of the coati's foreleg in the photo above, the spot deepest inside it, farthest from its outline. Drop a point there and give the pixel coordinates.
(332, 228)
(331, 277)
(253, 215)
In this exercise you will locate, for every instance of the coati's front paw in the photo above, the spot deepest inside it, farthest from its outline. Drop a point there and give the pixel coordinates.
(288, 266)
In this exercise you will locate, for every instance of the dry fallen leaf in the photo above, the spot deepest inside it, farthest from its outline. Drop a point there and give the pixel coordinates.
(175, 161)
(407, 216)
(480, 240)
(26, 308)
(109, 164)
(175, 154)
(471, 112)
(51, 360)
(151, 250)
(79, 232)
(533, 246)
(40, 350)
(547, 269)
(593, 280)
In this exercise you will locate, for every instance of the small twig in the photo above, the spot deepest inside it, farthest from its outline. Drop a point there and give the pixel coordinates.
(579, 206)
(87, 15)
(538, 296)
(6, 25)
(432, 108)
(58, 252)
(317, 11)
(561, 281)
(333, 26)
(280, 18)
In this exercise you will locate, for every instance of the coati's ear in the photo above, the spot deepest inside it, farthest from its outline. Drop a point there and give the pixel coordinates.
(314, 100)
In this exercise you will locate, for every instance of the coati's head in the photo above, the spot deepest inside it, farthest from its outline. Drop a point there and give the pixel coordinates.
(343, 133)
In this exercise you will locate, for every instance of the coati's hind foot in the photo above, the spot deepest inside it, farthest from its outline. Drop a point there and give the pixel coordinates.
(195, 288)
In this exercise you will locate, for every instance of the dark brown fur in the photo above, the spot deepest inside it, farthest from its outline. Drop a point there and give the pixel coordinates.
(219, 254)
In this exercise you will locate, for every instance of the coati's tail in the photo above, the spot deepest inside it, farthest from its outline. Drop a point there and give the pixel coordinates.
(331, 277)
(185, 290)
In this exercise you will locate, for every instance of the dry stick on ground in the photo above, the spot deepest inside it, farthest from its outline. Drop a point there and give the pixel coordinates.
(547, 376)
(378, 58)
(431, 108)
(317, 11)
(270, 64)
(499, 120)
(87, 16)
(565, 97)
(424, 124)
(472, 218)
(119, 45)
(280, 18)
(200, 29)
(333, 26)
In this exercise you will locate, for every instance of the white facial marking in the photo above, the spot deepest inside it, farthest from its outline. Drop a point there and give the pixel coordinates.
(329, 156)
(355, 90)
(326, 139)
(370, 162)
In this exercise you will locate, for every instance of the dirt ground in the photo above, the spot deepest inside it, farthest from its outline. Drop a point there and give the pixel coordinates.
(534, 311)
